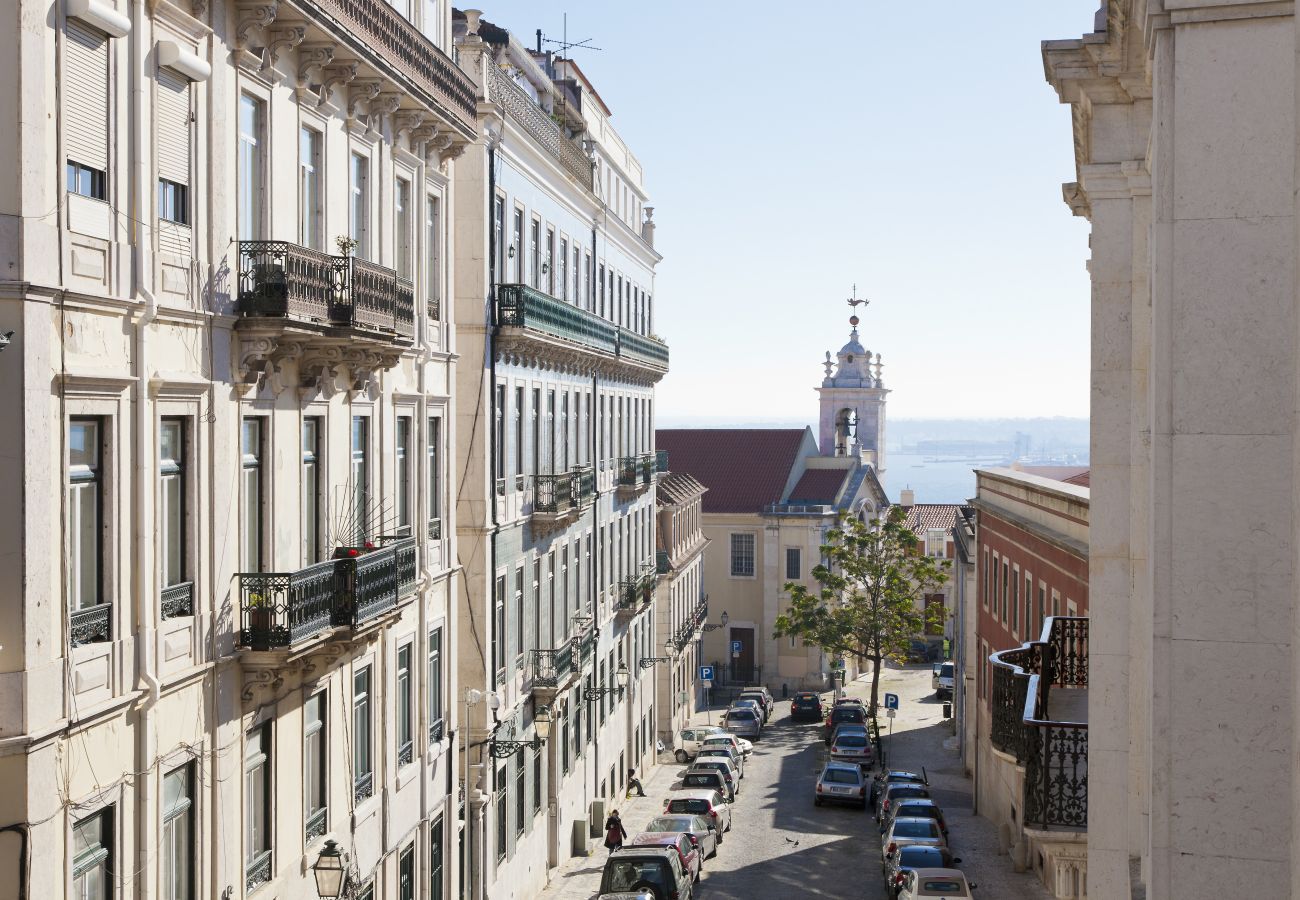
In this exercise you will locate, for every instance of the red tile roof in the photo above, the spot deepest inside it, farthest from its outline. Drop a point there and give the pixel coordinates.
(743, 468)
(1056, 473)
(924, 516)
(1083, 479)
(818, 486)
(677, 488)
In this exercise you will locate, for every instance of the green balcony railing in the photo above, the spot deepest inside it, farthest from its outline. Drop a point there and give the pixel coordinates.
(636, 471)
(521, 306)
(641, 348)
(550, 668)
(563, 492)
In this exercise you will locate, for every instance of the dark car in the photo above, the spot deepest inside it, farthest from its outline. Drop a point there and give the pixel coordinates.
(892, 793)
(654, 870)
(878, 783)
(806, 706)
(896, 865)
(915, 808)
(849, 712)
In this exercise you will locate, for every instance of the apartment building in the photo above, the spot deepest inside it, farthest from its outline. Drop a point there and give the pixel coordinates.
(556, 499)
(228, 618)
(933, 523)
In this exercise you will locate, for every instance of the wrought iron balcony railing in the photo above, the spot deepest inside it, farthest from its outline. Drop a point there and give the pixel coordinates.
(522, 306)
(564, 492)
(374, 582)
(177, 600)
(279, 279)
(699, 615)
(1053, 752)
(91, 624)
(663, 565)
(540, 126)
(636, 471)
(642, 348)
(661, 461)
(551, 668)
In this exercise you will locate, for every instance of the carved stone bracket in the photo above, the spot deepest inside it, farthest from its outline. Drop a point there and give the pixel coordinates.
(318, 370)
(363, 362)
(407, 121)
(454, 150)
(260, 679)
(282, 39)
(313, 58)
(383, 105)
(256, 16)
(362, 90)
(335, 75)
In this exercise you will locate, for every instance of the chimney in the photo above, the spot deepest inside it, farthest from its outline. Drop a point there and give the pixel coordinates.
(906, 497)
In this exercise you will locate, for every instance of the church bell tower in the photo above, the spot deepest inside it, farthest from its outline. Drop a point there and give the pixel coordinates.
(852, 419)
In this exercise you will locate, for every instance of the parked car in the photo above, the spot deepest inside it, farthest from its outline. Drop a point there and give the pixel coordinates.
(749, 703)
(744, 721)
(689, 740)
(841, 783)
(896, 777)
(896, 791)
(852, 747)
(726, 738)
(943, 681)
(688, 849)
(806, 706)
(917, 651)
(906, 832)
(719, 764)
(765, 701)
(705, 779)
(771, 701)
(704, 832)
(706, 803)
(847, 712)
(936, 883)
(632, 872)
(896, 865)
(723, 751)
(915, 808)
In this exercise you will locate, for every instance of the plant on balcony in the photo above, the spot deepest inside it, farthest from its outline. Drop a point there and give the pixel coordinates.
(261, 612)
(870, 603)
(345, 244)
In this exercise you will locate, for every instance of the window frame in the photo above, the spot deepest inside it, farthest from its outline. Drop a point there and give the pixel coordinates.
(316, 731)
(793, 573)
(253, 520)
(363, 758)
(312, 463)
(250, 168)
(92, 474)
(171, 814)
(311, 211)
(403, 697)
(102, 857)
(739, 571)
(259, 765)
(402, 474)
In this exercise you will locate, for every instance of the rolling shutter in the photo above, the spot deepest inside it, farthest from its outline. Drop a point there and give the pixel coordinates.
(173, 127)
(86, 95)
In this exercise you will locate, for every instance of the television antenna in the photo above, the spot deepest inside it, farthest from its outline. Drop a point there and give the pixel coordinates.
(564, 43)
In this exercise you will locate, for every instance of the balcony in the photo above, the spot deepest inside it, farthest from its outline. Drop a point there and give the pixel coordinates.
(693, 623)
(663, 565)
(661, 462)
(636, 592)
(283, 610)
(1040, 717)
(798, 509)
(557, 499)
(551, 671)
(539, 125)
(177, 600)
(635, 473)
(533, 324)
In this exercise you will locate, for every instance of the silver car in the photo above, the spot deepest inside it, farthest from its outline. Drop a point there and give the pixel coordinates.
(722, 751)
(905, 832)
(697, 826)
(841, 783)
(744, 722)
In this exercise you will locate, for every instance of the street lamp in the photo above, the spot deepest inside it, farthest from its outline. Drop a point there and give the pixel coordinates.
(328, 870)
(722, 624)
(649, 661)
(504, 749)
(622, 675)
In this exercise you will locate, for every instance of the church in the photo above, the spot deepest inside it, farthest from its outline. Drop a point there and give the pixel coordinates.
(773, 493)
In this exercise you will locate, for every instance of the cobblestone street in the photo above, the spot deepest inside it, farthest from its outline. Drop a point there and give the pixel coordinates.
(783, 846)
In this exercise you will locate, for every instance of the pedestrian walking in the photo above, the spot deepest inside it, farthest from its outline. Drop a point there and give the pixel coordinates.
(615, 833)
(633, 782)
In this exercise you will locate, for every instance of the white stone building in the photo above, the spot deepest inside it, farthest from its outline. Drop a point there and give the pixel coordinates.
(227, 618)
(555, 421)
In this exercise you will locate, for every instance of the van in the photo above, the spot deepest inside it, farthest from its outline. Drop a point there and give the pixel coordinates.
(943, 681)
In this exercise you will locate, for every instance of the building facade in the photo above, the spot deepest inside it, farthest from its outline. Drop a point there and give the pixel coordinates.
(556, 510)
(1030, 733)
(933, 524)
(230, 614)
(681, 606)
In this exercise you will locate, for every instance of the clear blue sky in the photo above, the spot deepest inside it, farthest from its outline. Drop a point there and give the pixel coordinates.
(793, 149)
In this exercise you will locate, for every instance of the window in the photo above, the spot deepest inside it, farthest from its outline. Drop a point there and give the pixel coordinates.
(93, 865)
(548, 265)
(314, 768)
(1006, 578)
(362, 766)
(499, 438)
(521, 797)
(985, 596)
(171, 467)
(252, 493)
(173, 202)
(537, 431)
(402, 227)
(535, 254)
(1015, 600)
(86, 129)
(499, 238)
(1042, 605)
(578, 273)
(434, 499)
(517, 611)
(252, 119)
(550, 431)
(537, 780)
(360, 511)
(561, 278)
(1029, 603)
(537, 604)
(517, 450)
(936, 542)
(178, 834)
(359, 205)
(435, 859)
(792, 563)
(434, 275)
(499, 630)
(403, 448)
(742, 555)
(310, 220)
(406, 874)
(85, 509)
(564, 432)
(501, 788)
(257, 806)
(518, 246)
(311, 466)
(435, 685)
(600, 281)
(405, 739)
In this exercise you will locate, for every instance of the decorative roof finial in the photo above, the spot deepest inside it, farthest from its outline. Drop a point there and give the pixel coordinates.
(830, 366)
(854, 303)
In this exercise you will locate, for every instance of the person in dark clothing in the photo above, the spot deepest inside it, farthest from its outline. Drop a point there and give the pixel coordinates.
(633, 782)
(615, 833)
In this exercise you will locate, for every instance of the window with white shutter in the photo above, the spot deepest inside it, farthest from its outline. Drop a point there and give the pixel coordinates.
(172, 143)
(86, 109)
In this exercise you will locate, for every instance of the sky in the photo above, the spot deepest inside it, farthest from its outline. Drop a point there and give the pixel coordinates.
(793, 150)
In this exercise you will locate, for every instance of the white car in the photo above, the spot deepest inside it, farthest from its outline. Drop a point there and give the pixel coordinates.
(742, 746)
(708, 804)
(943, 681)
(935, 883)
(722, 751)
(689, 740)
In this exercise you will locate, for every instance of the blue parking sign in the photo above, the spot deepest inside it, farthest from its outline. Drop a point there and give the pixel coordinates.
(891, 701)
(735, 646)
(706, 673)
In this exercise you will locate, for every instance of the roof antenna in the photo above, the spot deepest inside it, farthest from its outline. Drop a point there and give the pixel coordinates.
(565, 44)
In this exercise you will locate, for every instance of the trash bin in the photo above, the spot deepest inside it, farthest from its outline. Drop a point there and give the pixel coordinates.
(947, 710)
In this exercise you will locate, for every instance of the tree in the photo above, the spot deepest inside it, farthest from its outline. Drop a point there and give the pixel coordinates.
(871, 583)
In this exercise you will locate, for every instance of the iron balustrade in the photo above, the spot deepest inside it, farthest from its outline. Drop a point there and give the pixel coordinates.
(177, 600)
(278, 609)
(436, 730)
(563, 492)
(258, 872)
(375, 581)
(661, 461)
(91, 624)
(314, 826)
(521, 306)
(641, 348)
(407, 566)
(662, 564)
(406, 753)
(798, 509)
(540, 126)
(404, 307)
(363, 786)
(435, 529)
(371, 296)
(636, 471)
(1053, 752)
(550, 668)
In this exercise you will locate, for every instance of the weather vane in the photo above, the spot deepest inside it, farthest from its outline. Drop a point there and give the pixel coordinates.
(854, 303)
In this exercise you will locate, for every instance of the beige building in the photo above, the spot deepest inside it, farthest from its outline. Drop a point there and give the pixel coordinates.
(1185, 138)
(556, 510)
(227, 618)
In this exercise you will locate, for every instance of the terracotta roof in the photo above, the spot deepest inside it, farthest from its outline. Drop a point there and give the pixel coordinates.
(923, 516)
(676, 488)
(818, 486)
(1083, 479)
(743, 468)
(1056, 473)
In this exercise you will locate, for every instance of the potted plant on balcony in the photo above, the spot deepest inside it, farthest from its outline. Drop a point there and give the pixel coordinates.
(261, 613)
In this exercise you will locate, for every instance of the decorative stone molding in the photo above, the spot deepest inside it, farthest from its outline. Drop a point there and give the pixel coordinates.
(361, 91)
(1076, 199)
(282, 39)
(256, 16)
(334, 76)
(408, 121)
(313, 58)
(385, 104)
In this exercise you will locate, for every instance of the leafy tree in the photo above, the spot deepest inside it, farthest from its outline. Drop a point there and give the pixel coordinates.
(869, 603)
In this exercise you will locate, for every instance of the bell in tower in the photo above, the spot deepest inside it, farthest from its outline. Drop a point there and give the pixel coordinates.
(852, 421)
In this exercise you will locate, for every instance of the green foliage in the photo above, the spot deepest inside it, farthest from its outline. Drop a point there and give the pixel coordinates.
(869, 603)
